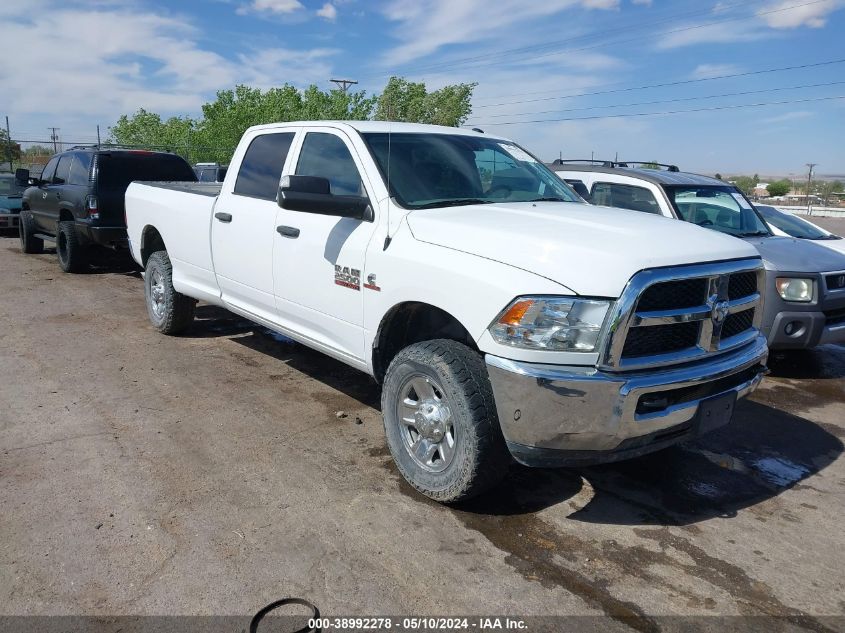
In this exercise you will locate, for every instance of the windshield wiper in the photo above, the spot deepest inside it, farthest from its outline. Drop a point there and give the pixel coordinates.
(754, 234)
(456, 202)
(544, 200)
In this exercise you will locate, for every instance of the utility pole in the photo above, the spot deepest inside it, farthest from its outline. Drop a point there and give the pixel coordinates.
(98, 135)
(9, 142)
(344, 84)
(809, 181)
(54, 137)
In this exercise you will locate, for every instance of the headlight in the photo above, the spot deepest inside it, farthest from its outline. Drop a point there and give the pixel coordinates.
(562, 324)
(795, 289)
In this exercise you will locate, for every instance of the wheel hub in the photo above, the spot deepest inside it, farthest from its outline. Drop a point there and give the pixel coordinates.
(426, 424)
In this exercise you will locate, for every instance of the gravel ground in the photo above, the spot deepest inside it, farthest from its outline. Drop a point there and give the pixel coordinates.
(211, 474)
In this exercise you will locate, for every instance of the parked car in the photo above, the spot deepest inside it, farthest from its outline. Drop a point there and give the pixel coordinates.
(805, 282)
(783, 223)
(78, 200)
(501, 314)
(11, 193)
(210, 172)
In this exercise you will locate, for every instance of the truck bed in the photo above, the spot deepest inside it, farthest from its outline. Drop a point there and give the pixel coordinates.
(211, 189)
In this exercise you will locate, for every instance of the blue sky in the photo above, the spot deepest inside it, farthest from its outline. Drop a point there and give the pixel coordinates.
(78, 63)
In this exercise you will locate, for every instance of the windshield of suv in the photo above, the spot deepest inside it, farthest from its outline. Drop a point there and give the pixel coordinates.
(435, 170)
(724, 209)
(9, 186)
(795, 227)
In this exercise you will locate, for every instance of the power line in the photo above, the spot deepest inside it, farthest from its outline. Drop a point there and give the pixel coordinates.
(509, 53)
(642, 114)
(666, 84)
(681, 99)
(453, 63)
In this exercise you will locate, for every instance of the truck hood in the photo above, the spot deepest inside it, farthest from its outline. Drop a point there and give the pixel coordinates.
(789, 254)
(591, 250)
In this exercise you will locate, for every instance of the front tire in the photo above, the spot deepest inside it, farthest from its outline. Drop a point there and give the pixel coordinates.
(73, 255)
(440, 421)
(170, 312)
(26, 226)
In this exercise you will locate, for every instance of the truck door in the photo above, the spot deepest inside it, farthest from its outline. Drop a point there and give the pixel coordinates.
(319, 259)
(243, 229)
(39, 201)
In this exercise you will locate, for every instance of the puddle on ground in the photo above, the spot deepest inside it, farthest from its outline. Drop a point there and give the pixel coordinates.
(779, 471)
(276, 336)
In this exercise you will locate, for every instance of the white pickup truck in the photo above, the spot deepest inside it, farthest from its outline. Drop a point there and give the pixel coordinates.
(502, 315)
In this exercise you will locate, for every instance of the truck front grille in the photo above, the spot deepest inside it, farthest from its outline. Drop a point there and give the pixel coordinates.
(669, 316)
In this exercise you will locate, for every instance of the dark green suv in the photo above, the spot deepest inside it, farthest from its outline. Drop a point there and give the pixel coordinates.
(78, 201)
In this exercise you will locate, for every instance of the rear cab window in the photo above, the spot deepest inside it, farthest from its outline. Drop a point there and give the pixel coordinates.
(261, 168)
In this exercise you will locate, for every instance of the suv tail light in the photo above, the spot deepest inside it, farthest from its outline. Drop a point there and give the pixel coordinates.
(92, 207)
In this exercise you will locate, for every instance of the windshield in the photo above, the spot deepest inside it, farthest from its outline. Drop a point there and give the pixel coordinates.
(721, 208)
(795, 227)
(432, 170)
(10, 187)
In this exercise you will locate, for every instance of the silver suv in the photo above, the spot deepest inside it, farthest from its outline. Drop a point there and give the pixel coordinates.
(805, 283)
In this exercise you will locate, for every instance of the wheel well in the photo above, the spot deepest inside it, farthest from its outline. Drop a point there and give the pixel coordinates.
(65, 216)
(413, 322)
(151, 242)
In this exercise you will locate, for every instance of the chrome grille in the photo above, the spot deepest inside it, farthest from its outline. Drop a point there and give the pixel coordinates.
(675, 315)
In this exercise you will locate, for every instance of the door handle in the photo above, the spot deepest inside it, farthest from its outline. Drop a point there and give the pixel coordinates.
(288, 231)
(223, 217)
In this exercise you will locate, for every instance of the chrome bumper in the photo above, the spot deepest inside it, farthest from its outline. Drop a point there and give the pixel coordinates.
(559, 415)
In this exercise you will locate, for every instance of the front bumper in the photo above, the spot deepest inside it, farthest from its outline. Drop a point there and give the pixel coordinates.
(554, 415)
(9, 220)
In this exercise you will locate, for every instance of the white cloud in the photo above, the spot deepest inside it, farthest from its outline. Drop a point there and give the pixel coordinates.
(787, 15)
(328, 11)
(271, 6)
(708, 71)
(789, 116)
(141, 60)
(428, 25)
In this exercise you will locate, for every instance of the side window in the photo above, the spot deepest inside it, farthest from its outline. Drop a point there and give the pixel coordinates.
(580, 188)
(261, 168)
(50, 170)
(613, 194)
(326, 155)
(207, 175)
(63, 169)
(79, 169)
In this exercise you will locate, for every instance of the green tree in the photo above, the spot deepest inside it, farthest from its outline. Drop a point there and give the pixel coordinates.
(779, 188)
(9, 151)
(650, 165)
(746, 184)
(409, 101)
(826, 188)
(146, 129)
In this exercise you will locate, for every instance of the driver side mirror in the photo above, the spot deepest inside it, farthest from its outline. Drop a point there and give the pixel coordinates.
(312, 194)
(22, 177)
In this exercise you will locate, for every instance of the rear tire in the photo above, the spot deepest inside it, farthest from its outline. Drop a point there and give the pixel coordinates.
(26, 227)
(73, 256)
(170, 312)
(441, 423)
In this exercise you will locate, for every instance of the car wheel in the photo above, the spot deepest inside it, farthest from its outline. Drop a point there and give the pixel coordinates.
(440, 421)
(170, 312)
(73, 255)
(26, 228)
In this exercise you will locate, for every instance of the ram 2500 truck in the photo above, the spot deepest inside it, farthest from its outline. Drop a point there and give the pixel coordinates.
(502, 315)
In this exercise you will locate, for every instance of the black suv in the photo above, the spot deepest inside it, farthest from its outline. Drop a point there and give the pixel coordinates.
(78, 201)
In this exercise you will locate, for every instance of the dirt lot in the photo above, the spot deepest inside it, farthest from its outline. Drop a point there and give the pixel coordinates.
(210, 474)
